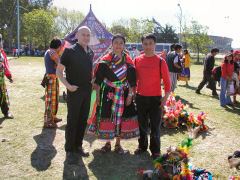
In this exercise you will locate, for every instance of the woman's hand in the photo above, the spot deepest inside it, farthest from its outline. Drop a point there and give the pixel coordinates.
(97, 88)
(72, 88)
(98, 100)
(129, 99)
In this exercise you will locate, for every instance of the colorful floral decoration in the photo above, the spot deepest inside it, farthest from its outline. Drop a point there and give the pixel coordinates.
(176, 115)
(174, 165)
(234, 178)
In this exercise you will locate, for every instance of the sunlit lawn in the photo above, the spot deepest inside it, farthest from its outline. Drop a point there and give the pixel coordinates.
(36, 153)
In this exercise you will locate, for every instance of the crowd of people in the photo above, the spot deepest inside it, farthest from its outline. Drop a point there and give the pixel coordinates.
(128, 89)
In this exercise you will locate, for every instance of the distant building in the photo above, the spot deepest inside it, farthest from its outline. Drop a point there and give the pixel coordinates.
(224, 44)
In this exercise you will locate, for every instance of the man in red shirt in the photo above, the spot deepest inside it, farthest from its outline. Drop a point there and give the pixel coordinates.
(150, 69)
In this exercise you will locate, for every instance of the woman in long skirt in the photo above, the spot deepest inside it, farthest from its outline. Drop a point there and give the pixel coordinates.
(185, 74)
(115, 84)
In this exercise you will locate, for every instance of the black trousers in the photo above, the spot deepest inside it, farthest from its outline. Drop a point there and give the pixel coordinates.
(148, 109)
(78, 104)
(210, 80)
(4, 105)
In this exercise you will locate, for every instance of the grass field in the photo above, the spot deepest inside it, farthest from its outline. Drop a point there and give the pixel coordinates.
(33, 152)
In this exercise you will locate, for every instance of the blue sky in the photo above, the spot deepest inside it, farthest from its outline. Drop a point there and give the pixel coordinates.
(221, 16)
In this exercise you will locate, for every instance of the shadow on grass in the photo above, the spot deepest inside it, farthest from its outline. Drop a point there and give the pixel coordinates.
(42, 156)
(110, 165)
(183, 130)
(235, 110)
(172, 131)
(189, 87)
(185, 102)
(78, 171)
(206, 133)
(209, 96)
(90, 138)
(1, 120)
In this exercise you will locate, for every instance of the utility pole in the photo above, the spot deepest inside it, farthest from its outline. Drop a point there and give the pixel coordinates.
(180, 22)
(18, 28)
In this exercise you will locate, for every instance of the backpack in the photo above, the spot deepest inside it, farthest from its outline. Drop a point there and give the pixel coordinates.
(170, 58)
(217, 73)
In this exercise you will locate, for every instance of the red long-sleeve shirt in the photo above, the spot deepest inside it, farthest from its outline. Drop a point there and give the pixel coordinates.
(227, 69)
(148, 75)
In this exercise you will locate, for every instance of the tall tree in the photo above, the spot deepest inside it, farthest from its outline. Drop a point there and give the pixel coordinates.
(119, 29)
(197, 38)
(68, 20)
(41, 4)
(40, 26)
(138, 27)
(8, 16)
(166, 34)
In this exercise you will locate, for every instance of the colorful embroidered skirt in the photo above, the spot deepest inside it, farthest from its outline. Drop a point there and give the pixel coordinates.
(51, 97)
(3, 90)
(4, 96)
(107, 130)
(184, 75)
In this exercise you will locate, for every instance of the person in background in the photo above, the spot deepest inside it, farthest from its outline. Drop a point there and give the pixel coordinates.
(77, 61)
(207, 72)
(150, 69)
(170, 53)
(51, 60)
(236, 59)
(227, 69)
(185, 74)
(164, 54)
(4, 71)
(115, 84)
(136, 52)
(174, 65)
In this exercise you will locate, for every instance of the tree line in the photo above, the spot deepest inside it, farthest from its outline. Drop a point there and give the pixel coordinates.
(40, 22)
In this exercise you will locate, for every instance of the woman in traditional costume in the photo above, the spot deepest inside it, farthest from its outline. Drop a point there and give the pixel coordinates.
(51, 59)
(115, 88)
(185, 74)
(4, 71)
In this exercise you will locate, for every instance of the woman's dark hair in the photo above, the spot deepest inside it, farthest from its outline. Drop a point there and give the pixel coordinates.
(149, 36)
(177, 46)
(215, 50)
(186, 51)
(172, 47)
(227, 55)
(55, 43)
(119, 36)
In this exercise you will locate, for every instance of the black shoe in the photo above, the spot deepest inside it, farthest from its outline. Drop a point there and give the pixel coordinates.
(8, 116)
(231, 105)
(83, 152)
(155, 156)
(208, 87)
(139, 151)
(197, 91)
(71, 158)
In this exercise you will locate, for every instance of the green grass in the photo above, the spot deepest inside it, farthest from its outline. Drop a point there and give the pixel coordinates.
(36, 153)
